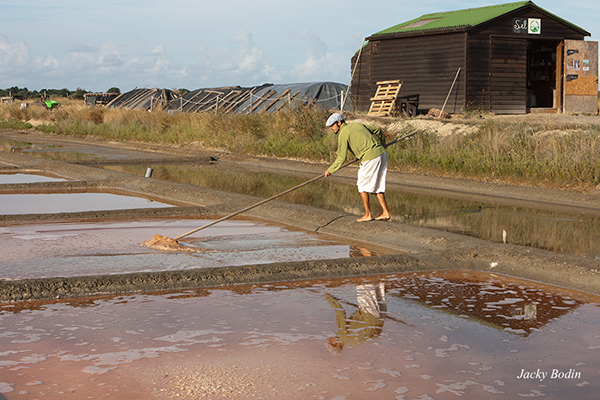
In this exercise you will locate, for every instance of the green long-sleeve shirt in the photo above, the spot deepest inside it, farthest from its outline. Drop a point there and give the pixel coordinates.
(359, 139)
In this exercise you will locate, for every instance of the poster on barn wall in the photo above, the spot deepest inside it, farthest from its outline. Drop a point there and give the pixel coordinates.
(581, 76)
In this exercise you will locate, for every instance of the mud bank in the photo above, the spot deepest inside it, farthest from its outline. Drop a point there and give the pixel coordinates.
(427, 249)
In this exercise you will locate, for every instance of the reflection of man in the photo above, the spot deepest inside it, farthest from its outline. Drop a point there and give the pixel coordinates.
(359, 139)
(366, 322)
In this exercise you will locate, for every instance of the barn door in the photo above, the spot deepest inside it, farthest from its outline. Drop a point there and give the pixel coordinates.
(580, 77)
(508, 75)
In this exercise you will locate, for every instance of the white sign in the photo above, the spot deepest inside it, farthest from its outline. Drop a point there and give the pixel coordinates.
(534, 26)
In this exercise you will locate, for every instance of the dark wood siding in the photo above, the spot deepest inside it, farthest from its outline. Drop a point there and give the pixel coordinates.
(478, 72)
(426, 65)
(508, 75)
(493, 65)
(492, 58)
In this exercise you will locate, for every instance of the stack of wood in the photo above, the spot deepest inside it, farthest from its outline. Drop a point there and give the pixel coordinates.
(384, 102)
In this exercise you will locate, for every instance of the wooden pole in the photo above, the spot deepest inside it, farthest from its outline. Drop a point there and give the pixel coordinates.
(316, 178)
(352, 75)
(450, 91)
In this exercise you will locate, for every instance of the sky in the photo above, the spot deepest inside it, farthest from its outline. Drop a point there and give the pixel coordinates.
(192, 44)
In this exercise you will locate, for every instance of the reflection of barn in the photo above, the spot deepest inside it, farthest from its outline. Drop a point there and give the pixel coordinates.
(510, 58)
(505, 303)
(236, 99)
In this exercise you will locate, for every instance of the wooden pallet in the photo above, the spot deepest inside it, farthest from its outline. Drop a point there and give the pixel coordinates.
(384, 101)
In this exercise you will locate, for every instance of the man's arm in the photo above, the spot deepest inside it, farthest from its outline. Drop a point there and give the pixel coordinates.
(342, 153)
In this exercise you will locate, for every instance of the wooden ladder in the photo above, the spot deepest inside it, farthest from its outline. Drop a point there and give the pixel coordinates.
(384, 101)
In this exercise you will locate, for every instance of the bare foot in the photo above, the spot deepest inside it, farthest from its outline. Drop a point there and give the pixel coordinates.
(365, 218)
(383, 218)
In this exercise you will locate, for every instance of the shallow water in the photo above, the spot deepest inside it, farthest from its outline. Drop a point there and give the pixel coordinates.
(71, 202)
(440, 335)
(27, 178)
(559, 232)
(71, 152)
(113, 247)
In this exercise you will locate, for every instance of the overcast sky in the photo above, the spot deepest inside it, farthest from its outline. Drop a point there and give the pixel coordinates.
(95, 45)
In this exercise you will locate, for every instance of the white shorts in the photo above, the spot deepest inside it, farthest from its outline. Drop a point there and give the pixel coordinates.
(371, 175)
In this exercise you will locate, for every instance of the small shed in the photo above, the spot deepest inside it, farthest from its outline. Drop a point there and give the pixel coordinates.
(98, 99)
(510, 58)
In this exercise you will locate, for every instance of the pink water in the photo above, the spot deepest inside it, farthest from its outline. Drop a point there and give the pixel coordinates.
(71, 202)
(26, 178)
(113, 247)
(442, 335)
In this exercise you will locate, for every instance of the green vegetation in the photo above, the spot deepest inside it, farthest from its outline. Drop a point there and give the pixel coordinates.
(541, 154)
(26, 94)
(528, 151)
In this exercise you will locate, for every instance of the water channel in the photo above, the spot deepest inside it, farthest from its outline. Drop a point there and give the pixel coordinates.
(437, 335)
(559, 232)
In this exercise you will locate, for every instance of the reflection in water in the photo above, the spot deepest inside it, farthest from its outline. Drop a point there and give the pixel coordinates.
(367, 320)
(359, 251)
(50, 152)
(71, 153)
(441, 339)
(495, 301)
(579, 235)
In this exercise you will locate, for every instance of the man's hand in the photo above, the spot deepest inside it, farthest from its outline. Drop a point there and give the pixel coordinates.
(327, 173)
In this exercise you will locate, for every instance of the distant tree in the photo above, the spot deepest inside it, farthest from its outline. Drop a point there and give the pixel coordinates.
(182, 92)
(114, 90)
(78, 94)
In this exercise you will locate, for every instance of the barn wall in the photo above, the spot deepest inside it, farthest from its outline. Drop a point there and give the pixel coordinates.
(492, 58)
(426, 65)
(497, 60)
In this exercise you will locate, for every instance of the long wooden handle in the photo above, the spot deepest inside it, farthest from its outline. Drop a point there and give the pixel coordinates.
(316, 178)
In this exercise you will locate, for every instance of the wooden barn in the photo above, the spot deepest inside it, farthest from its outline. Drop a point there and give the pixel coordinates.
(511, 58)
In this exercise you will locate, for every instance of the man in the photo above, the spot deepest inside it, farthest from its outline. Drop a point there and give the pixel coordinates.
(359, 139)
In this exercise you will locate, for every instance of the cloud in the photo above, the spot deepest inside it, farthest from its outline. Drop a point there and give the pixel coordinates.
(238, 60)
(82, 48)
(16, 55)
(111, 61)
(319, 62)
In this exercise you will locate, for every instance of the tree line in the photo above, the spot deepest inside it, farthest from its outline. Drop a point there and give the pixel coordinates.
(26, 94)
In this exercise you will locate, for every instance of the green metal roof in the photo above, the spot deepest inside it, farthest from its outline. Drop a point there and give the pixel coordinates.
(460, 19)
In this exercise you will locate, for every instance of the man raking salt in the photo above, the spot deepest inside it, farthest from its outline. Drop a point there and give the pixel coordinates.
(373, 158)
